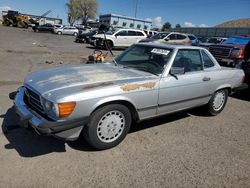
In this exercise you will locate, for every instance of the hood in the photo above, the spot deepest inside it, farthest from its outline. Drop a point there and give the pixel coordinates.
(228, 45)
(73, 77)
(147, 40)
(99, 36)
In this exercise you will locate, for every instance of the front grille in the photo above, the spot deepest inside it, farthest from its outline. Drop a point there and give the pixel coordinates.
(33, 100)
(220, 52)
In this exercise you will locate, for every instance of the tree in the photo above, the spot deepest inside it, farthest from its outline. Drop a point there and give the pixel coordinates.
(88, 8)
(73, 15)
(166, 26)
(178, 26)
(81, 10)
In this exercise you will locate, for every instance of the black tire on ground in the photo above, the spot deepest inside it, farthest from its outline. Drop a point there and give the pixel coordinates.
(59, 32)
(75, 34)
(217, 102)
(20, 24)
(109, 44)
(108, 126)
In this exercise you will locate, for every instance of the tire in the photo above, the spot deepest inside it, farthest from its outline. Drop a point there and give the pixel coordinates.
(20, 24)
(59, 32)
(75, 34)
(217, 102)
(108, 44)
(108, 126)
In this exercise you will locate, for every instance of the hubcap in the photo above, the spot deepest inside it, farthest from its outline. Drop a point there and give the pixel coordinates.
(111, 126)
(219, 100)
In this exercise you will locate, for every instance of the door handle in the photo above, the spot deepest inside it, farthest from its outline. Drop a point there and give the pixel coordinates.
(206, 79)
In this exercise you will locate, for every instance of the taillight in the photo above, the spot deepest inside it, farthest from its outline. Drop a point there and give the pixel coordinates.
(243, 79)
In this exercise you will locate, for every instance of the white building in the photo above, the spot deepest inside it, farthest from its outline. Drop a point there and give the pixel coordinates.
(124, 21)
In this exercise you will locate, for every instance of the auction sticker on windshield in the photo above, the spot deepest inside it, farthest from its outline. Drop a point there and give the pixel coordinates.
(160, 51)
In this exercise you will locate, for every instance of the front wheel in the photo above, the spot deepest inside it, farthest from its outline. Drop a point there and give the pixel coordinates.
(108, 126)
(75, 34)
(217, 102)
(59, 32)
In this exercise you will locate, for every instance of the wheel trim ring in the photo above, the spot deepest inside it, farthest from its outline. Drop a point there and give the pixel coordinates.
(219, 100)
(106, 130)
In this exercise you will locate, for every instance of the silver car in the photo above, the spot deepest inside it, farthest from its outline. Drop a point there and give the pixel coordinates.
(66, 30)
(101, 100)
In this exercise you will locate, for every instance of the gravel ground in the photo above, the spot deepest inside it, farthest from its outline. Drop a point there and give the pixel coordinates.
(188, 149)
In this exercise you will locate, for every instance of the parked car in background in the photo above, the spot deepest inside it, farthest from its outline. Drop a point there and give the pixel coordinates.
(212, 40)
(44, 28)
(118, 38)
(99, 101)
(58, 26)
(194, 39)
(231, 51)
(66, 30)
(150, 33)
(169, 38)
(85, 37)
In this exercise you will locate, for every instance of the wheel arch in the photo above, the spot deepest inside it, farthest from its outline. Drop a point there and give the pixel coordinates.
(226, 86)
(126, 102)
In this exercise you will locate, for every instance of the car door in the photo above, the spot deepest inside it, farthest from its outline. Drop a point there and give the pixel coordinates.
(170, 39)
(65, 30)
(182, 91)
(121, 38)
(132, 37)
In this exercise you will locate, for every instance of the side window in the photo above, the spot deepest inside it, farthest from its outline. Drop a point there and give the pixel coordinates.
(181, 37)
(207, 61)
(131, 33)
(190, 60)
(172, 37)
(121, 33)
(138, 33)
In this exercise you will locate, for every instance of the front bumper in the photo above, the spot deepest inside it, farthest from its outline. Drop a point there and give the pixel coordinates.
(65, 129)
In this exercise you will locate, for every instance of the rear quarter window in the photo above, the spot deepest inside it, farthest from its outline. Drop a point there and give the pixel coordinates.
(208, 63)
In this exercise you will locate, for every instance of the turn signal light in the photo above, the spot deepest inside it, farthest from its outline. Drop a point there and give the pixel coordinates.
(65, 109)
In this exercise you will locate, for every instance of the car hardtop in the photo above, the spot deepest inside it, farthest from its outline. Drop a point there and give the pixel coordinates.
(169, 46)
(128, 29)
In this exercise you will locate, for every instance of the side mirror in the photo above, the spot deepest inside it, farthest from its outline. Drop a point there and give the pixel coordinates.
(167, 39)
(177, 70)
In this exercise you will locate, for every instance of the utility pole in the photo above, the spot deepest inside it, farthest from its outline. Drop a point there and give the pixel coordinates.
(136, 4)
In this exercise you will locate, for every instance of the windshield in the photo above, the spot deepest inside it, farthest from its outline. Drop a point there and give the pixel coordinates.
(145, 58)
(237, 40)
(159, 36)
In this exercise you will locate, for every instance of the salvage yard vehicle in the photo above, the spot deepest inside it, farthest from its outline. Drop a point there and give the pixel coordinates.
(43, 28)
(169, 38)
(231, 51)
(211, 41)
(66, 30)
(118, 38)
(101, 100)
(85, 37)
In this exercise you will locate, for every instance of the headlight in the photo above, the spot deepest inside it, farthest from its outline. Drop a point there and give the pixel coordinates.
(50, 108)
(235, 52)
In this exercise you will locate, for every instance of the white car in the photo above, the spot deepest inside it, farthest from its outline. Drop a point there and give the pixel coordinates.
(118, 38)
(66, 30)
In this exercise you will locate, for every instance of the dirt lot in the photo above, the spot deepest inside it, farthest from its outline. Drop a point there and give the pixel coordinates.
(187, 149)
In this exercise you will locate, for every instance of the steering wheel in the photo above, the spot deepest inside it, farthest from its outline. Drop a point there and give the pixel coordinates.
(155, 64)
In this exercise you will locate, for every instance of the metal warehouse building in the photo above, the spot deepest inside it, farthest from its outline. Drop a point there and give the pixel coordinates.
(124, 21)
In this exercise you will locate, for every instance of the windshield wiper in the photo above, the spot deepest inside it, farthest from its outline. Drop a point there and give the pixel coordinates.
(141, 68)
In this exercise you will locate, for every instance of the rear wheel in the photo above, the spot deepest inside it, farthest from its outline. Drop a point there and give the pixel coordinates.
(217, 102)
(108, 126)
(59, 32)
(75, 34)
